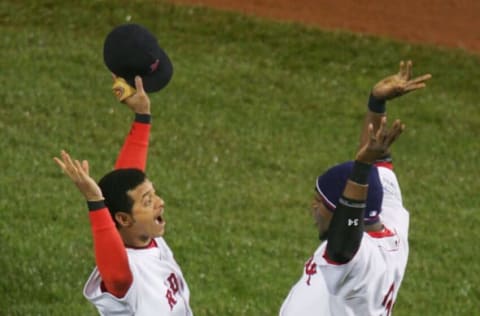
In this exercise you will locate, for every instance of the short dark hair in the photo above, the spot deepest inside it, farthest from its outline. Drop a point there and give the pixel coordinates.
(115, 186)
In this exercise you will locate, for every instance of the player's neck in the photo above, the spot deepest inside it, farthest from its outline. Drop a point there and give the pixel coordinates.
(132, 240)
(151, 244)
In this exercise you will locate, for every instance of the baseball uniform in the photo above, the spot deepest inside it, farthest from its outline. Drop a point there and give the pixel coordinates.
(310, 296)
(157, 284)
(368, 284)
(158, 287)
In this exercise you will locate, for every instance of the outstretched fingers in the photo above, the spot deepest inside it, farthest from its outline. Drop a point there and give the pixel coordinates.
(409, 69)
(60, 163)
(384, 137)
(64, 161)
(72, 168)
(382, 130)
(397, 128)
(402, 69)
(421, 79)
(79, 168)
(417, 83)
(405, 71)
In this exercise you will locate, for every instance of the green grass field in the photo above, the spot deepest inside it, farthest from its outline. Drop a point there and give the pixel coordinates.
(255, 111)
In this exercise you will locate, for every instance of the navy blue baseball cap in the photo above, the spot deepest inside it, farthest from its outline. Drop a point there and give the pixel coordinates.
(330, 186)
(130, 50)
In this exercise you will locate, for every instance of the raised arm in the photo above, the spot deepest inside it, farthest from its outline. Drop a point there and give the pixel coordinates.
(347, 225)
(133, 153)
(110, 254)
(386, 89)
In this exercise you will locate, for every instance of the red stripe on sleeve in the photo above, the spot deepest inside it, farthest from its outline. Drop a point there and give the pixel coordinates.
(135, 148)
(110, 254)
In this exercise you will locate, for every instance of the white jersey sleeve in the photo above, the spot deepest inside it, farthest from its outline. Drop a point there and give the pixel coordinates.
(393, 214)
(106, 303)
(158, 287)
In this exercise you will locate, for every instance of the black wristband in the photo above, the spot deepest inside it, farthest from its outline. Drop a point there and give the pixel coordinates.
(360, 172)
(95, 205)
(143, 118)
(376, 105)
(351, 203)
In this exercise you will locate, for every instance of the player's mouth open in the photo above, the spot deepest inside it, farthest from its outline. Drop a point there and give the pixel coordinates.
(159, 219)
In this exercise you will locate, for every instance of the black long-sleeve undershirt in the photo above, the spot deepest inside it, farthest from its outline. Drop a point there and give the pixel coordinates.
(347, 225)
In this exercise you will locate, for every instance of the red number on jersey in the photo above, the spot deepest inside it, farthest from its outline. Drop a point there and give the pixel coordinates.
(388, 300)
(310, 269)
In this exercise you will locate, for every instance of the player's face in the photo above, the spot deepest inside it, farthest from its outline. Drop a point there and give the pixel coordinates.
(147, 212)
(321, 215)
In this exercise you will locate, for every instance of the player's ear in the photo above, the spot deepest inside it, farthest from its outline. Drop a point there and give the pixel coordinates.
(124, 219)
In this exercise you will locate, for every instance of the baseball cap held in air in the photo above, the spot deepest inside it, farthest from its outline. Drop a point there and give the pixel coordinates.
(130, 50)
(331, 183)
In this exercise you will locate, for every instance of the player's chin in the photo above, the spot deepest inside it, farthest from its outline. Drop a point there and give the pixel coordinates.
(159, 232)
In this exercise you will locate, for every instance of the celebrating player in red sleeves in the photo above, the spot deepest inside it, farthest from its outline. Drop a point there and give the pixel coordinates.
(358, 209)
(136, 273)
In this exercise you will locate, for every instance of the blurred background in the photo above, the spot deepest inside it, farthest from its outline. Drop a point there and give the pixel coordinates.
(259, 105)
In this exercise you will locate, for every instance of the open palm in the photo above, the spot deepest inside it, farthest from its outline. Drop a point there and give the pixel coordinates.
(400, 83)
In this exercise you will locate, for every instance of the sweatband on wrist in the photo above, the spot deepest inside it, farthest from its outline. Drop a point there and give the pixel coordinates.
(360, 172)
(95, 205)
(143, 118)
(351, 203)
(376, 105)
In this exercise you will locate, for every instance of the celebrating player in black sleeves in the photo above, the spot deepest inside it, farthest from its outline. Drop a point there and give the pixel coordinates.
(359, 266)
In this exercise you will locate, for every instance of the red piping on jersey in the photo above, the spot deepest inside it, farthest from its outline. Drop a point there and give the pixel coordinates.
(151, 244)
(385, 164)
(385, 232)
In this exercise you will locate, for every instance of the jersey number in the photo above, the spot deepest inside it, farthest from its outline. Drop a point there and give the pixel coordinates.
(310, 269)
(388, 300)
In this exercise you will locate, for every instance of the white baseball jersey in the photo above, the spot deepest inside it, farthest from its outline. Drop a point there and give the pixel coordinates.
(309, 297)
(369, 283)
(158, 286)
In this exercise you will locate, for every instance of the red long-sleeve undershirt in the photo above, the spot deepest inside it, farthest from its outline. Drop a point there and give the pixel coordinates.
(135, 148)
(110, 254)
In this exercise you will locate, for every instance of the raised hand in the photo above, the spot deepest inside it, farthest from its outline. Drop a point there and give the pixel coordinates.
(136, 99)
(400, 83)
(78, 172)
(378, 144)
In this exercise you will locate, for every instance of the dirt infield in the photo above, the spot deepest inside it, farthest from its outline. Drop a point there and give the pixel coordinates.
(449, 23)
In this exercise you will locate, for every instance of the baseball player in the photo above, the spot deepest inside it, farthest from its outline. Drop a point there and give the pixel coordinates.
(359, 266)
(136, 273)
